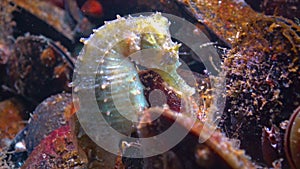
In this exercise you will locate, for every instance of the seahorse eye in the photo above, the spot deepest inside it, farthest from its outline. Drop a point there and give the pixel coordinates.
(149, 41)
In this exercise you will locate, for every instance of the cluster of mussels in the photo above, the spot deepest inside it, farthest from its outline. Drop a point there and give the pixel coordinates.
(41, 123)
(262, 70)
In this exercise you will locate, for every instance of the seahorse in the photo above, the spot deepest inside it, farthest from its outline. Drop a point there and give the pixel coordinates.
(109, 60)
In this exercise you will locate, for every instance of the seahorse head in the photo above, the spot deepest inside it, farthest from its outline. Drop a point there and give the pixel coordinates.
(157, 51)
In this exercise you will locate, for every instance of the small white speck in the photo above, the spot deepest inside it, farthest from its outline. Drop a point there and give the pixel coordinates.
(76, 89)
(136, 92)
(20, 147)
(103, 86)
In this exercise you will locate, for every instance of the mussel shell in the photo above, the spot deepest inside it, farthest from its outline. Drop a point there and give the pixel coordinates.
(58, 150)
(216, 152)
(271, 143)
(11, 118)
(38, 68)
(5, 53)
(262, 68)
(12, 122)
(52, 113)
(17, 158)
(97, 157)
(157, 92)
(287, 9)
(47, 15)
(292, 140)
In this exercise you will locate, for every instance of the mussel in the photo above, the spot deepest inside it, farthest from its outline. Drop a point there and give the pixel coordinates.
(58, 150)
(11, 120)
(292, 140)
(217, 152)
(35, 66)
(262, 67)
(53, 113)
